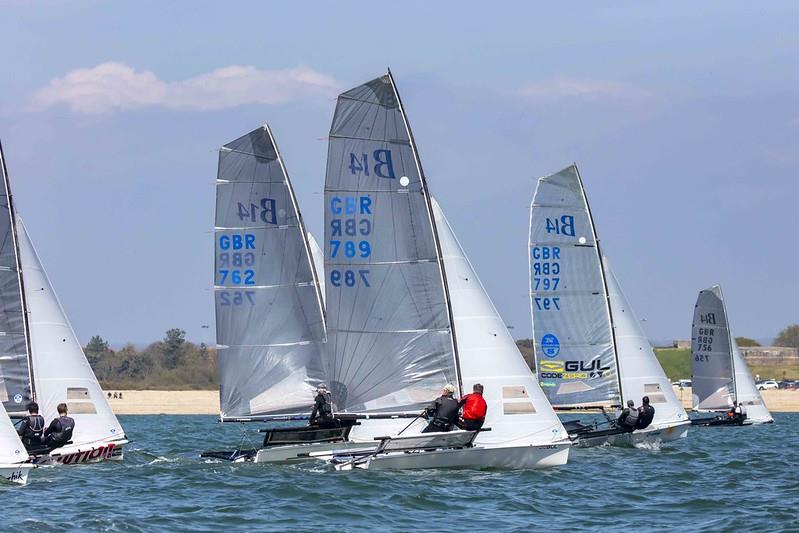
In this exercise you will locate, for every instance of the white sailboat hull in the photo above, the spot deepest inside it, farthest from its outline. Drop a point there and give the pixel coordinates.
(640, 438)
(295, 453)
(509, 458)
(15, 473)
(82, 454)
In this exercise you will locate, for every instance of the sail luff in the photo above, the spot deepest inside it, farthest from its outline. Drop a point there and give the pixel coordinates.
(20, 279)
(731, 342)
(608, 306)
(437, 240)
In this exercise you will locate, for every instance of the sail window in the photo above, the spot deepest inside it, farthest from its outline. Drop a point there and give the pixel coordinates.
(78, 393)
(518, 408)
(509, 393)
(81, 408)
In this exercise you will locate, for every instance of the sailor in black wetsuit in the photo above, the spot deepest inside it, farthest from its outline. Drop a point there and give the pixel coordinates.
(32, 428)
(646, 413)
(59, 432)
(628, 417)
(443, 412)
(322, 414)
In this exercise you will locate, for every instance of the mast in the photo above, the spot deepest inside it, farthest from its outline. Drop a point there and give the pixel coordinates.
(431, 217)
(13, 218)
(301, 224)
(604, 286)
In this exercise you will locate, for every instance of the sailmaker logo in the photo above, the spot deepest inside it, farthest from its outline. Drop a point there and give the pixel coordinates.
(550, 345)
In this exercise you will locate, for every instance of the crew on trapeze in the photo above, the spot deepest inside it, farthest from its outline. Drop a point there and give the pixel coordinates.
(446, 413)
(322, 414)
(36, 438)
(631, 418)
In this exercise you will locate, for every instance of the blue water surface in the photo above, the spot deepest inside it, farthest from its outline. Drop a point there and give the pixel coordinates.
(718, 479)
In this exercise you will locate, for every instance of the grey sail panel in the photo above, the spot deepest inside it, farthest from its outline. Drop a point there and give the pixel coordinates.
(390, 343)
(15, 386)
(573, 340)
(712, 382)
(269, 320)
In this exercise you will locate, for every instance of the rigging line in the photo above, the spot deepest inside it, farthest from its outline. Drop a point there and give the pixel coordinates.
(381, 263)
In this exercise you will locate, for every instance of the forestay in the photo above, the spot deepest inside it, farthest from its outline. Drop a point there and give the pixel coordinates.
(60, 369)
(573, 341)
(15, 377)
(269, 315)
(642, 373)
(713, 380)
(390, 340)
(518, 412)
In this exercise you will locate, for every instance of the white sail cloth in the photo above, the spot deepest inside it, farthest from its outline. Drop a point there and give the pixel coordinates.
(640, 371)
(518, 411)
(11, 448)
(61, 372)
(318, 257)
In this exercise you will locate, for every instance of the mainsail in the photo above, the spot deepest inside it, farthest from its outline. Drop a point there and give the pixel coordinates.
(720, 374)
(15, 374)
(641, 372)
(270, 325)
(61, 371)
(713, 381)
(573, 339)
(318, 257)
(518, 411)
(390, 337)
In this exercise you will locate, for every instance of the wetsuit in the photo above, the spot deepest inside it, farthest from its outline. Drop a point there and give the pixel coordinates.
(628, 419)
(443, 414)
(646, 413)
(322, 414)
(59, 432)
(740, 414)
(473, 415)
(31, 431)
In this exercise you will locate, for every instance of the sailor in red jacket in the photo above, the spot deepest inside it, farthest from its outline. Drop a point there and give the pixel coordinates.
(474, 409)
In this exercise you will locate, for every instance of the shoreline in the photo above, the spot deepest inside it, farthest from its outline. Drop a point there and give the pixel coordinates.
(206, 402)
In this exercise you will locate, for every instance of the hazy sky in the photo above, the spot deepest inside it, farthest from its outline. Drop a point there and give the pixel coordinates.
(683, 119)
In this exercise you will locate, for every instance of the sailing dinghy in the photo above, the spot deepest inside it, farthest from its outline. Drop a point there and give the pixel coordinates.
(720, 375)
(270, 324)
(406, 313)
(14, 459)
(40, 357)
(590, 350)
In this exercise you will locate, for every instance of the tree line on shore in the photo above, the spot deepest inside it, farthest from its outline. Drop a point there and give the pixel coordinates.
(173, 363)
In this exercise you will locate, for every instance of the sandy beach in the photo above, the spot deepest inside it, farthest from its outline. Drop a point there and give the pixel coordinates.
(154, 402)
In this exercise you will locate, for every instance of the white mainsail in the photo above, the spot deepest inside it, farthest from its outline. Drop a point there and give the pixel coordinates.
(60, 370)
(518, 411)
(641, 372)
(720, 374)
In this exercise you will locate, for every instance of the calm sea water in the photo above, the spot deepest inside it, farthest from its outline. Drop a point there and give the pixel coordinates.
(715, 480)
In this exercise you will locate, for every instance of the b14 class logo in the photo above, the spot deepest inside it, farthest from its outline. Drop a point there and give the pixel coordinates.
(550, 345)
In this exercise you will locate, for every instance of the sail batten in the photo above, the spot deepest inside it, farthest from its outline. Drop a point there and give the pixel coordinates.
(269, 314)
(383, 267)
